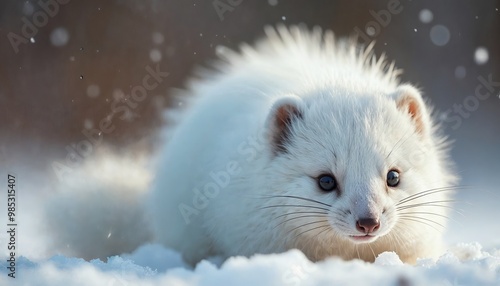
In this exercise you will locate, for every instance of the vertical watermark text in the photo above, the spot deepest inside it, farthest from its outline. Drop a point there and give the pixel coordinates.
(11, 224)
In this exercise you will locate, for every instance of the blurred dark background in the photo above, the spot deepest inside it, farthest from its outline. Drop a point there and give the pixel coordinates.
(84, 55)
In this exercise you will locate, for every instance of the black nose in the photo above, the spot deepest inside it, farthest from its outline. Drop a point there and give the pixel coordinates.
(367, 225)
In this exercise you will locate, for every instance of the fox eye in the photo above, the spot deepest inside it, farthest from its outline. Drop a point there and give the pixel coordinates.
(327, 183)
(392, 178)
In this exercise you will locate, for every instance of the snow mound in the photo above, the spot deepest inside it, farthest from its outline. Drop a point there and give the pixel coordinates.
(464, 264)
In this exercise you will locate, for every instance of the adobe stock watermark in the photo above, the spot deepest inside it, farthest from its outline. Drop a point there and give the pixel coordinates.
(39, 19)
(120, 279)
(298, 273)
(381, 19)
(484, 90)
(223, 6)
(209, 191)
(219, 180)
(78, 151)
(12, 224)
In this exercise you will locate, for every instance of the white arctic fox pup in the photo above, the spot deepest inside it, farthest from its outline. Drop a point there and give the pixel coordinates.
(307, 142)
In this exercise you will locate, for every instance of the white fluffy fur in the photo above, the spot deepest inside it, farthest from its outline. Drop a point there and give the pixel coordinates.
(223, 187)
(356, 124)
(98, 210)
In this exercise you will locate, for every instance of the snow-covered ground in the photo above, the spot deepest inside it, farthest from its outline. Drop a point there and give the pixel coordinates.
(465, 264)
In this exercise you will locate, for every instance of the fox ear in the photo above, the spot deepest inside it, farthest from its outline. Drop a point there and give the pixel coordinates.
(282, 115)
(409, 101)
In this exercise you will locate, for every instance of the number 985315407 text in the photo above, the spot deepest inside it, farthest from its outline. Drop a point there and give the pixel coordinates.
(11, 225)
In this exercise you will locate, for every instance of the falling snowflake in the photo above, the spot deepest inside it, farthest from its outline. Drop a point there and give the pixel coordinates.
(481, 56)
(59, 37)
(425, 16)
(88, 124)
(93, 90)
(158, 38)
(440, 35)
(460, 72)
(155, 55)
